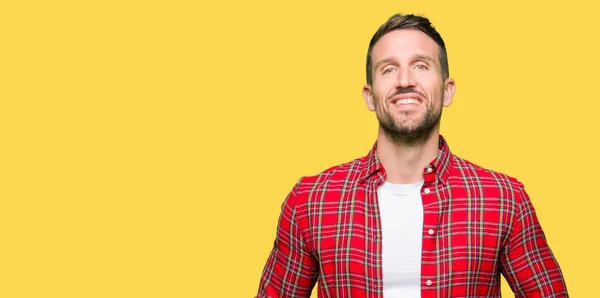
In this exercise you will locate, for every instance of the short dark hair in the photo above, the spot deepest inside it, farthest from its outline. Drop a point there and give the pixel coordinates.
(408, 21)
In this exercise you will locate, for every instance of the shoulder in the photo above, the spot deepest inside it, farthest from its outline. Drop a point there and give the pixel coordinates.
(467, 172)
(338, 175)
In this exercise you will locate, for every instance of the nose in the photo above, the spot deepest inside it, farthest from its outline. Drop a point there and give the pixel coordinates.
(405, 78)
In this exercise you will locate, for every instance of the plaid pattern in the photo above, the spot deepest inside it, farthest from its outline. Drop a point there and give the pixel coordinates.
(477, 224)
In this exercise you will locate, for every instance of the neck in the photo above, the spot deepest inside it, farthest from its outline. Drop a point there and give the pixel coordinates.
(404, 164)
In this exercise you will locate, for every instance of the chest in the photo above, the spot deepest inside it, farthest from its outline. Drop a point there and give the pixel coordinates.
(461, 227)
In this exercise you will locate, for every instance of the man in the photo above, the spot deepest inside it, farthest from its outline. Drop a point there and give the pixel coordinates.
(410, 219)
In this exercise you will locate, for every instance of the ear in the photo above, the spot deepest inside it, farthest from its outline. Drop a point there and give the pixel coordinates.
(368, 96)
(449, 89)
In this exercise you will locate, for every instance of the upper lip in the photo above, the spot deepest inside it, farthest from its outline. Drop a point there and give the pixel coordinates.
(405, 96)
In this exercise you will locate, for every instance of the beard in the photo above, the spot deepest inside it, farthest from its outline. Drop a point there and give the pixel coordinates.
(413, 133)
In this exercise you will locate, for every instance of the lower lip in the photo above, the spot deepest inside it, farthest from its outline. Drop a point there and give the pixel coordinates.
(406, 105)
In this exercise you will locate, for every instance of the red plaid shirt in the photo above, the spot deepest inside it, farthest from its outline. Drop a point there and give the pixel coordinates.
(477, 224)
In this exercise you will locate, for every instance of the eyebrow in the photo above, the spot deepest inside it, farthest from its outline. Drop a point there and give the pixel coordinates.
(380, 62)
(415, 57)
(425, 57)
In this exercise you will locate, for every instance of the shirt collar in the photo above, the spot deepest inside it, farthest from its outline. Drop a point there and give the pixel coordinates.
(440, 166)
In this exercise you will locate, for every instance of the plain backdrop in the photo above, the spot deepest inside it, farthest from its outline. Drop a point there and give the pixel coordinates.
(147, 146)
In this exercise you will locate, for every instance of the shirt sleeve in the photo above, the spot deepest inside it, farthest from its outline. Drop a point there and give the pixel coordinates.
(290, 271)
(527, 262)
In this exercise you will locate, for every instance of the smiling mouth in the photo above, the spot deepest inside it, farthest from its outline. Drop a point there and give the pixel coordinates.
(404, 101)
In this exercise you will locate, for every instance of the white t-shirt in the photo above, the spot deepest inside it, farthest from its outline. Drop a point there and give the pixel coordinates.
(401, 213)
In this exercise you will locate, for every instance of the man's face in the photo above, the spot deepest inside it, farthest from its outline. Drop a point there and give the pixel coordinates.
(408, 91)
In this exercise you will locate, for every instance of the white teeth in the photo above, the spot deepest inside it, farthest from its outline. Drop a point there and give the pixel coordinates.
(406, 101)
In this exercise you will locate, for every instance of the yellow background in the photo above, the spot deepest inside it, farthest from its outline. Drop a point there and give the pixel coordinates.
(146, 146)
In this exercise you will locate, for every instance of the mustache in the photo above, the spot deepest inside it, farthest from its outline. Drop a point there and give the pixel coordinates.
(406, 90)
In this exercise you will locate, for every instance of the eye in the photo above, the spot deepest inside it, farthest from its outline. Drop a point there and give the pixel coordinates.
(421, 67)
(388, 70)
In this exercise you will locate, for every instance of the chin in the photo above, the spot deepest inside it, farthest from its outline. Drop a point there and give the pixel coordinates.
(409, 125)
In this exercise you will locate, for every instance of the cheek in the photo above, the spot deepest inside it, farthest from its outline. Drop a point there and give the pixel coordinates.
(383, 86)
(378, 96)
(433, 88)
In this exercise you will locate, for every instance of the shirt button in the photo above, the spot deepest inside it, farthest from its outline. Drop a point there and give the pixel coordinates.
(427, 190)
(430, 231)
(429, 170)
(428, 282)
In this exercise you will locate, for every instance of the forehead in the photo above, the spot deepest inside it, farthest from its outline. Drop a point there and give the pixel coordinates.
(405, 43)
